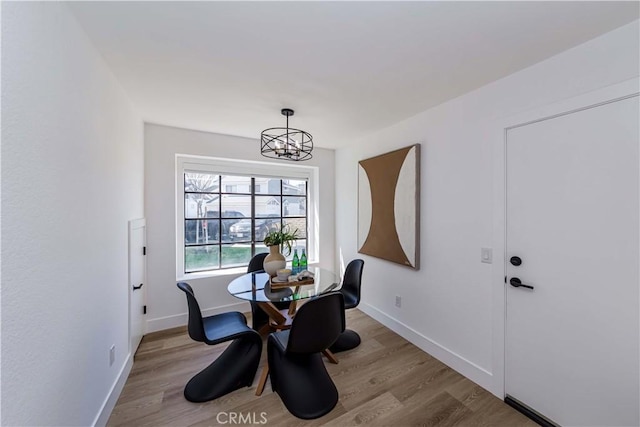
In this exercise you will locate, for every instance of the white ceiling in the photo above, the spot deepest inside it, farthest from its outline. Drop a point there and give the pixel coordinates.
(346, 68)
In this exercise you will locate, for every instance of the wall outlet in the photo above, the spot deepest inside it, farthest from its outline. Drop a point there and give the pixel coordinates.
(398, 301)
(112, 355)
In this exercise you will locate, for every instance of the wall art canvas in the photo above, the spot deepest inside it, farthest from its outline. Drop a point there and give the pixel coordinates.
(388, 206)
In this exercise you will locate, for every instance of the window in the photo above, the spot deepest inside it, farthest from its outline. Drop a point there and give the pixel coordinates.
(224, 217)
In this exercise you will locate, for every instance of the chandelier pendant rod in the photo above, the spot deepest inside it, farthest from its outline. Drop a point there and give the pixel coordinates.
(288, 144)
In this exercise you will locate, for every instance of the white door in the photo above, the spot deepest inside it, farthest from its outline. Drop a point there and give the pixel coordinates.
(572, 342)
(137, 279)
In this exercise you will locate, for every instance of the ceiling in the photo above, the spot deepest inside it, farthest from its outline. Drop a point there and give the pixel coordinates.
(346, 68)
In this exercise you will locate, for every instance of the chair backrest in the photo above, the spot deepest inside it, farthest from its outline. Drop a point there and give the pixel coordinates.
(351, 283)
(317, 324)
(195, 325)
(257, 263)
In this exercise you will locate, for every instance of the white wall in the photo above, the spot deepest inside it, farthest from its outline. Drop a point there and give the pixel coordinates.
(454, 306)
(166, 305)
(72, 159)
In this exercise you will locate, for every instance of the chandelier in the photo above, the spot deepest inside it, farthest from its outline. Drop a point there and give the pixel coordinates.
(286, 143)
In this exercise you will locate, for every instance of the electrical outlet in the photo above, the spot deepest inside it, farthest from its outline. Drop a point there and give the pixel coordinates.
(398, 301)
(112, 355)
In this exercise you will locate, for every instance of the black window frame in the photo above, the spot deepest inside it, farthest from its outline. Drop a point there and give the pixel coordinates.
(220, 243)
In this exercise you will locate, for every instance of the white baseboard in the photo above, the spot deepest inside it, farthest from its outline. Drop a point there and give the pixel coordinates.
(469, 369)
(110, 402)
(168, 322)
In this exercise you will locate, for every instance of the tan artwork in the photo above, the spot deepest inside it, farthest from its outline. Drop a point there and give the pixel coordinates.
(388, 206)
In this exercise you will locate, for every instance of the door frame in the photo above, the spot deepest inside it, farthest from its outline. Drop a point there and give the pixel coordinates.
(607, 94)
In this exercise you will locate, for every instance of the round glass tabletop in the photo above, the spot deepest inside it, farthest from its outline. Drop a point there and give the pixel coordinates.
(256, 287)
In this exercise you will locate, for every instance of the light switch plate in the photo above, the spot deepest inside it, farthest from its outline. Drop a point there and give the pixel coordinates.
(486, 255)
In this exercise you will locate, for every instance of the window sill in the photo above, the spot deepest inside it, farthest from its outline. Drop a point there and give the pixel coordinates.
(223, 273)
(215, 273)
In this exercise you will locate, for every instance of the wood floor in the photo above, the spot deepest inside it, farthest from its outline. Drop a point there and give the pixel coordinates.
(386, 381)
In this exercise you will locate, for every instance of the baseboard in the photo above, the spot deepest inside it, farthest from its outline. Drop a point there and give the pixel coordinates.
(168, 322)
(110, 402)
(469, 369)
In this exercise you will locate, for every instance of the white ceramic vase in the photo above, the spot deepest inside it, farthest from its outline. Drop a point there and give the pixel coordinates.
(274, 261)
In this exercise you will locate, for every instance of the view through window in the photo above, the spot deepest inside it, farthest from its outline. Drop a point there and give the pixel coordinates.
(226, 217)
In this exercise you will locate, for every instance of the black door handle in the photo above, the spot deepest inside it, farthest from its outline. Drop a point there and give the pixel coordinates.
(515, 260)
(135, 288)
(517, 283)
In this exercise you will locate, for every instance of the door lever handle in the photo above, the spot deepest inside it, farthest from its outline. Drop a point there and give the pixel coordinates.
(135, 288)
(517, 283)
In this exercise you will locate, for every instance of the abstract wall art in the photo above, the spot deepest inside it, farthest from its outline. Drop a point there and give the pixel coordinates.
(388, 206)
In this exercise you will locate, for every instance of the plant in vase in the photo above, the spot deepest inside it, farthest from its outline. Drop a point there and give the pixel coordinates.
(277, 241)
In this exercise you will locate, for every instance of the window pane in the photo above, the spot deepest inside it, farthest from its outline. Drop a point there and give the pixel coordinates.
(297, 223)
(267, 206)
(295, 187)
(200, 231)
(236, 255)
(265, 226)
(235, 206)
(201, 258)
(236, 184)
(294, 206)
(267, 186)
(201, 182)
(201, 205)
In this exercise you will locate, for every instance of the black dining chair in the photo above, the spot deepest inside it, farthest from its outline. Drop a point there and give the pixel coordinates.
(350, 290)
(258, 317)
(236, 366)
(297, 371)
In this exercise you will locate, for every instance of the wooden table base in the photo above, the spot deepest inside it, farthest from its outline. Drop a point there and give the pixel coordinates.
(263, 379)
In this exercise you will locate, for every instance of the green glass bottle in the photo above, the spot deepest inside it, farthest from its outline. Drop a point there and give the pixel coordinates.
(303, 260)
(295, 264)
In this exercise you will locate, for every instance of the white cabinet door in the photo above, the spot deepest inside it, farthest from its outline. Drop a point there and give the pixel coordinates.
(572, 342)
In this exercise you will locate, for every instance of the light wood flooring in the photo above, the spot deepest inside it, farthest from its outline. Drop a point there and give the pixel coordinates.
(386, 381)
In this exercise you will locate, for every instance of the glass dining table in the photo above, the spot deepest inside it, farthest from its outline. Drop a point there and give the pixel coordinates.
(257, 287)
